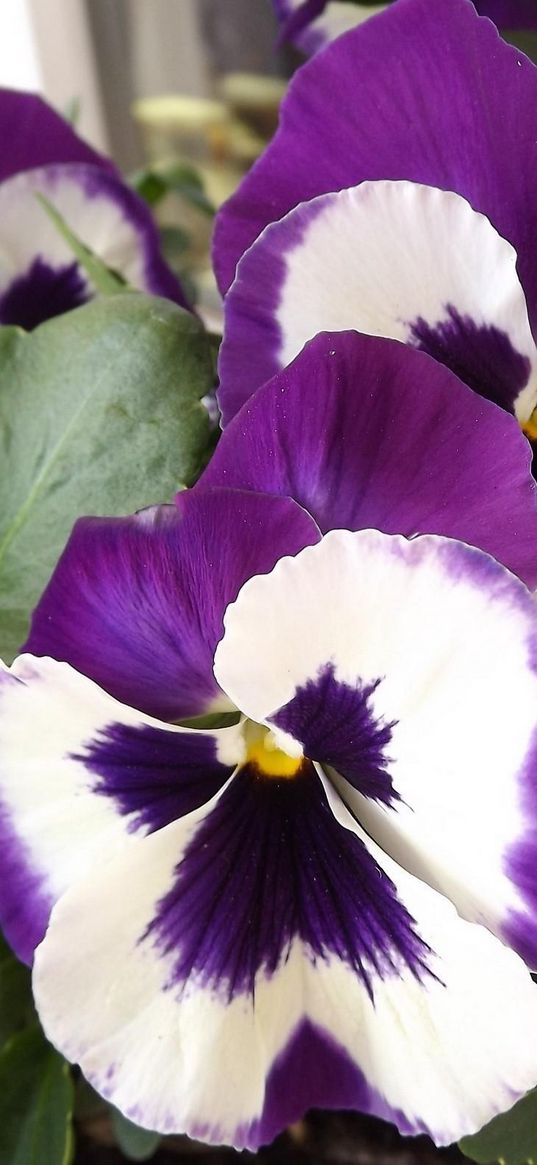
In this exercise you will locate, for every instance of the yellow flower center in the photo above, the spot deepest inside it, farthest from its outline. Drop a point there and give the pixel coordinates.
(263, 752)
(530, 426)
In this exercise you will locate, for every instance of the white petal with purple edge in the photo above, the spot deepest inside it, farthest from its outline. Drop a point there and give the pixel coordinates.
(441, 1051)
(393, 259)
(80, 776)
(101, 211)
(409, 667)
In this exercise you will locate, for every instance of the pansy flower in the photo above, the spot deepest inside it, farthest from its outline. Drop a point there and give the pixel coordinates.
(310, 24)
(44, 159)
(404, 181)
(314, 897)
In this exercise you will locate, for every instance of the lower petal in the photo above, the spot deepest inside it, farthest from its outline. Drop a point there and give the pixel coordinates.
(436, 1048)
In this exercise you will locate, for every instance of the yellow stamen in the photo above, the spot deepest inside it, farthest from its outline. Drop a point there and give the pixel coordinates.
(530, 426)
(264, 754)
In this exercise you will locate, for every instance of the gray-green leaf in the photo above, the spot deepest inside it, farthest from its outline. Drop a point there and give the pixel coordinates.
(510, 1137)
(100, 413)
(36, 1103)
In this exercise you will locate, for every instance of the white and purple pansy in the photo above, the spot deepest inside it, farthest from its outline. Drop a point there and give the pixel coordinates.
(39, 275)
(315, 897)
(398, 197)
(311, 24)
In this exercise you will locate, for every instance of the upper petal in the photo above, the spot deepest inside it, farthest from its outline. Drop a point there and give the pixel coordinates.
(39, 277)
(389, 259)
(137, 603)
(410, 667)
(424, 92)
(80, 775)
(365, 432)
(35, 135)
(262, 957)
(312, 25)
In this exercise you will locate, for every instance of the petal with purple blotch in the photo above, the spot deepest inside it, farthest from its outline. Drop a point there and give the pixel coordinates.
(409, 667)
(366, 432)
(137, 603)
(262, 956)
(392, 259)
(38, 276)
(423, 92)
(81, 775)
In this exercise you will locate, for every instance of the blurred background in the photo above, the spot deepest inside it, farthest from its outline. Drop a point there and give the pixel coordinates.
(183, 94)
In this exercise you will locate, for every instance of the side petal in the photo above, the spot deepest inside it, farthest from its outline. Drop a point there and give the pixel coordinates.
(80, 776)
(423, 92)
(410, 667)
(365, 432)
(137, 980)
(390, 259)
(38, 275)
(137, 603)
(35, 135)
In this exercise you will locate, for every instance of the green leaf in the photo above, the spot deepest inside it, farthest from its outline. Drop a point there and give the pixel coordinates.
(153, 185)
(100, 413)
(135, 1143)
(510, 1137)
(149, 185)
(16, 1003)
(105, 281)
(36, 1103)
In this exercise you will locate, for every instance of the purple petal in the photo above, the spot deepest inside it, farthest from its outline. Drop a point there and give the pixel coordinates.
(365, 432)
(311, 24)
(33, 134)
(426, 92)
(137, 603)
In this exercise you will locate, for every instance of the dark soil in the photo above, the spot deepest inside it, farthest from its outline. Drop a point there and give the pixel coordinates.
(329, 1138)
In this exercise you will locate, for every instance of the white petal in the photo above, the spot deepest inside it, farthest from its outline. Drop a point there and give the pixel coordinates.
(393, 259)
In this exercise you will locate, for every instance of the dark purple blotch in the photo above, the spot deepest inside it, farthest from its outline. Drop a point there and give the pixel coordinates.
(337, 726)
(153, 775)
(313, 1071)
(41, 293)
(270, 863)
(479, 354)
